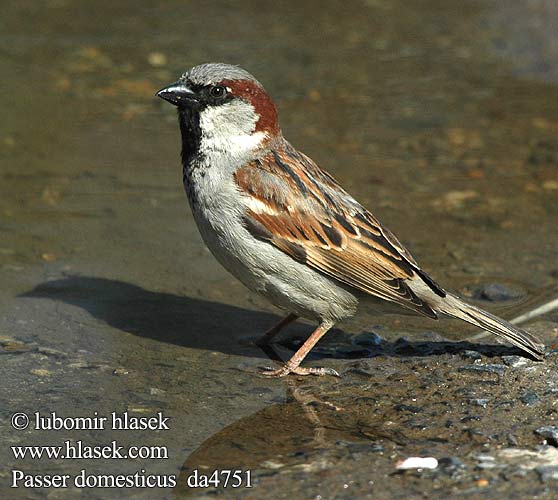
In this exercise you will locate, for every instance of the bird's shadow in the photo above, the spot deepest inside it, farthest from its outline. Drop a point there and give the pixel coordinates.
(202, 324)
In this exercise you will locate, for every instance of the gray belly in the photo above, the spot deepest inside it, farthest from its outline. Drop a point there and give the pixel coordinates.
(265, 269)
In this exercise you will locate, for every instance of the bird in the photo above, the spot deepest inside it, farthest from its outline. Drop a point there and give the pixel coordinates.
(286, 228)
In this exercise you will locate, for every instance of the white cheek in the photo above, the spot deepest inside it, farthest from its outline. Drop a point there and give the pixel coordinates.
(230, 129)
(248, 141)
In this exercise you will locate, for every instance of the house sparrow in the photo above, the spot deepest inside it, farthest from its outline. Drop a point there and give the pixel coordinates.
(285, 228)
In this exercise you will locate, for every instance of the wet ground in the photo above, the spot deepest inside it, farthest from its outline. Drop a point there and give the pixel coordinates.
(440, 116)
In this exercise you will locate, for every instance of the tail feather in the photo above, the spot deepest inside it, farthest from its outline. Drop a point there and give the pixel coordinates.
(453, 306)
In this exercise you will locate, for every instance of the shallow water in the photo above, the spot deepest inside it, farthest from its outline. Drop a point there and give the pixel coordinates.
(441, 117)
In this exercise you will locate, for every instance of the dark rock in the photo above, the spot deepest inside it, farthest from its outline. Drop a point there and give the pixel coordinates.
(451, 466)
(451, 463)
(366, 339)
(409, 408)
(550, 433)
(487, 368)
(404, 346)
(470, 418)
(496, 292)
(530, 398)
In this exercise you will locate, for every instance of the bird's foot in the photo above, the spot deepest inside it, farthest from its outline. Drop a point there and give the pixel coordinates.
(298, 370)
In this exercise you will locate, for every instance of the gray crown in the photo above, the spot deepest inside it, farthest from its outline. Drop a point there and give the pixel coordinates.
(209, 73)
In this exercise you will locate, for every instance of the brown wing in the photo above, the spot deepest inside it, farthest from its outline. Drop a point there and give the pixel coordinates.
(304, 212)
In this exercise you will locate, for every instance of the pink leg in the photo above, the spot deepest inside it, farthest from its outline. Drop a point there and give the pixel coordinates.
(267, 336)
(293, 365)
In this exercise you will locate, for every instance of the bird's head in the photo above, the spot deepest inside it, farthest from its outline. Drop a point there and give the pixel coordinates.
(222, 109)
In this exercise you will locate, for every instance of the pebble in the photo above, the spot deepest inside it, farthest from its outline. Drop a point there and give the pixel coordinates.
(417, 463)
(530, 398)
(514, 361)
(40, 372)
(408, 408)
(487, 368)
(550, 433)
(469, 354)
(479, 402)
(13, 346)
(270, 464)
(496, 292)
(55, 353)
(487, 462)
(451, 465)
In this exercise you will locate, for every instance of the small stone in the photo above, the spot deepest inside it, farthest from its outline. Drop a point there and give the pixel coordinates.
(471, 418)
(14, 346)
(55, 353)
(496, 292)
(550, 433)
(140, 409)
(547, 472)
(407, 408)
(40, 372)
(487, 368)
(479, 402)
(469, 354)
(417, 463)
(488, 465)
(487, 462)
(514, 361)
(451, 465)
(270, 464)
(530, 398)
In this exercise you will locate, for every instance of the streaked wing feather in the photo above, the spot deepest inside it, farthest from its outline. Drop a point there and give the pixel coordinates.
(304, 212)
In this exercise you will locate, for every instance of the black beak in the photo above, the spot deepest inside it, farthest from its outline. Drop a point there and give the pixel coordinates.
(177, 93)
